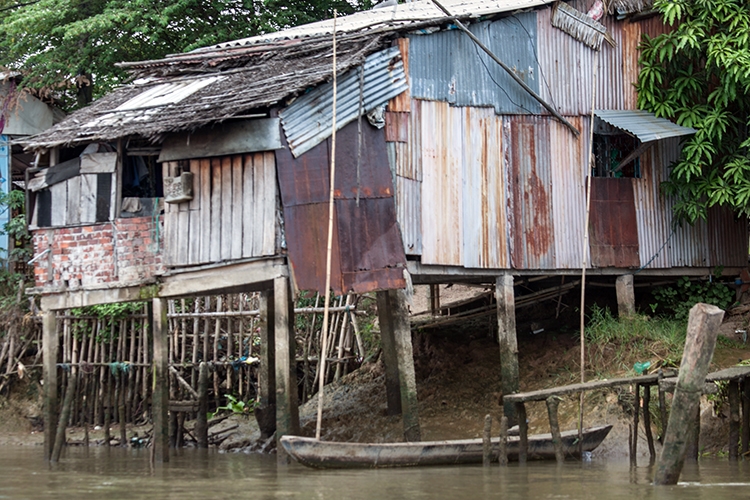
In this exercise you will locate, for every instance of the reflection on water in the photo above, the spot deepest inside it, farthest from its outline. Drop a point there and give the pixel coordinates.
(123, 473)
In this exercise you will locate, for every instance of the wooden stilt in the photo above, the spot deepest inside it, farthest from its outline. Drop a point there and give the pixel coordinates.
(49, 355)
(287, 413)
(662, 406)
(554, 426)
(647, 423)
(390, 360)
(201, 423)
(523, 432)
(636, 413)
(487, 441)
(160, 397)
(265, 413)
(625, 295)
(734, 420)
(702, 330)
(64, 416)
(745, 416)
(693, 436)
(405, 355)
(506, 332)
(502, 455)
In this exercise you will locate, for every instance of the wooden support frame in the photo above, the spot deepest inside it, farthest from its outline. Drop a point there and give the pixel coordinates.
(287, 412)
(266, 411)
(508, 341)
(50, 348)
(390, 360)
(160, 398)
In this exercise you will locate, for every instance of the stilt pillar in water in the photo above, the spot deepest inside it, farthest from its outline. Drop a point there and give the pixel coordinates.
(160, 399)
(201, 421)
(702, 330)
(745, 416)
(50, 347)
(287, 411)
(397, 351)
(625, 295)
(734, 420)
(506, 335)
(554, 426)
(265, 413)
(390, 360)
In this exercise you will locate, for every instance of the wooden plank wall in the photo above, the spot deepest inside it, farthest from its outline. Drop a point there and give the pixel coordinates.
(232, 214)
(74, 201)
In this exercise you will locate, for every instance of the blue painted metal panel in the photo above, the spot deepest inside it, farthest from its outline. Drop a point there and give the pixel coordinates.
(448, 66)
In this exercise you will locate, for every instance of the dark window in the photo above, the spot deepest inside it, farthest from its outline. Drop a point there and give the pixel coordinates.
(610, 149)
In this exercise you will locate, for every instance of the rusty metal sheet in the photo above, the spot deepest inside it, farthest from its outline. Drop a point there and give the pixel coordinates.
(369, 241)
(396, 126)
(530, 191)
(569, 160)
(614, 231)
(728, 238)
(409, 214)
(306, 229)
(367, 244)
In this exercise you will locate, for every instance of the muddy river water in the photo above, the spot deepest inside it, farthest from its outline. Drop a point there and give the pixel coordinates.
(124, 473)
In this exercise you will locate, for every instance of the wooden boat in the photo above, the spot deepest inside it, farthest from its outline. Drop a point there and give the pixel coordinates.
(333, 455)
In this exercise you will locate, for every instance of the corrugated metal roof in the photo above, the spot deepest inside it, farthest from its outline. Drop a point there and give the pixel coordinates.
(642, 124)
(308, 120)
(398, 16)
(448, 66)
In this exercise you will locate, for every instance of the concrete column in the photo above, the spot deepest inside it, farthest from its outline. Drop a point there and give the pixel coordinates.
(625, 295)
(287, 412)
(506, 336)
(388, 343)
(50, 348)
(265, 413)
(160, 397)
(396, 337)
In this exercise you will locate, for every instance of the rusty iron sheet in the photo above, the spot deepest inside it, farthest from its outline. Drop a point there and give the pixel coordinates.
(614, 230)
(530, 193)
(368, 253)
(396, 126)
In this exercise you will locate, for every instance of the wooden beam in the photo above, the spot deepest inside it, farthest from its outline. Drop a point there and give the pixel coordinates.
(390, 360)
(506, 335)
(254, 275)
(50, 347)
(287, 413)
(160, 398)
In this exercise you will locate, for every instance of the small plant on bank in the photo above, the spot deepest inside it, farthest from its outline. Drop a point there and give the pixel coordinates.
(677, 299)
(236, 406)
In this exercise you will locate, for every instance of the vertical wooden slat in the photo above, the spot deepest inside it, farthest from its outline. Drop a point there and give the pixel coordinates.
(248, 211)
(170, 222)
(194, 217)
(237, 210)
(73, 210)
(269, 207)
(59, 193)
(183, 236)
(205, 210)
(226, 208)
(215, 249)
(261, 195)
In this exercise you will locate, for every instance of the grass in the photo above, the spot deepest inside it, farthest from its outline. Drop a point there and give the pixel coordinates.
(615, 344)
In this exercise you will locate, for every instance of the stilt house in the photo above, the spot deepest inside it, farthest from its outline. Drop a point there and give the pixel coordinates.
(210, 173)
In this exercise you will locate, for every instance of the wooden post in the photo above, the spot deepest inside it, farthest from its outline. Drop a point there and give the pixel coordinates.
(647, 423)
(703, 327)
(201, 423)
(401, 384)
(523, 432)
(734, 419)
(390, 360)
(265, 413)
(745, 416)
(634, 434)
(434, 300)
(160, 389)
(50, 349)
(554, 426)
(487, 441)
(64, 415)
(662, 406)
(625, 295)
(287, 413)
(502, 455)
(693, 436)
(506, 334)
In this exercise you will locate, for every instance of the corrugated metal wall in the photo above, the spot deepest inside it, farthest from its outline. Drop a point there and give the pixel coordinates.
(448, 66)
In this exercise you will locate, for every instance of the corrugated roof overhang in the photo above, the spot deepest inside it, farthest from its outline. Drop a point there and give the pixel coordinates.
(642, 124)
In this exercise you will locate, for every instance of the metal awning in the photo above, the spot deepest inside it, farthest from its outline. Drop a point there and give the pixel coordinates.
(642, 124)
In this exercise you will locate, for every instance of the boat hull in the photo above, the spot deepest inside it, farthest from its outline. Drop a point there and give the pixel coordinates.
(329, 455)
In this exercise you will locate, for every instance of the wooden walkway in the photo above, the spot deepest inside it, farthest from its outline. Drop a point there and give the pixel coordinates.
(738, 378)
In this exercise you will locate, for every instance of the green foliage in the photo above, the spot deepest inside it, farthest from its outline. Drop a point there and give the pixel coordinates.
(236, 406)
(108, 314)
(699, 76)
(68, 48)
(677, 299)
(15, 228)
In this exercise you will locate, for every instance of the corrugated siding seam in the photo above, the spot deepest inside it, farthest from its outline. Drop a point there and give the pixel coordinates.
(307, 122)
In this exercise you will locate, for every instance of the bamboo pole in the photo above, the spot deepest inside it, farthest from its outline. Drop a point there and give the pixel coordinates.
(702, 330)
(589, 163)
(196, 326)
(487, 441)
(330, 240)
(636, 413)
(647, 423)
(503, 447)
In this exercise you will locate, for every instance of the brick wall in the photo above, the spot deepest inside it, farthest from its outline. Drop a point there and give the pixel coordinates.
(120, 253)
